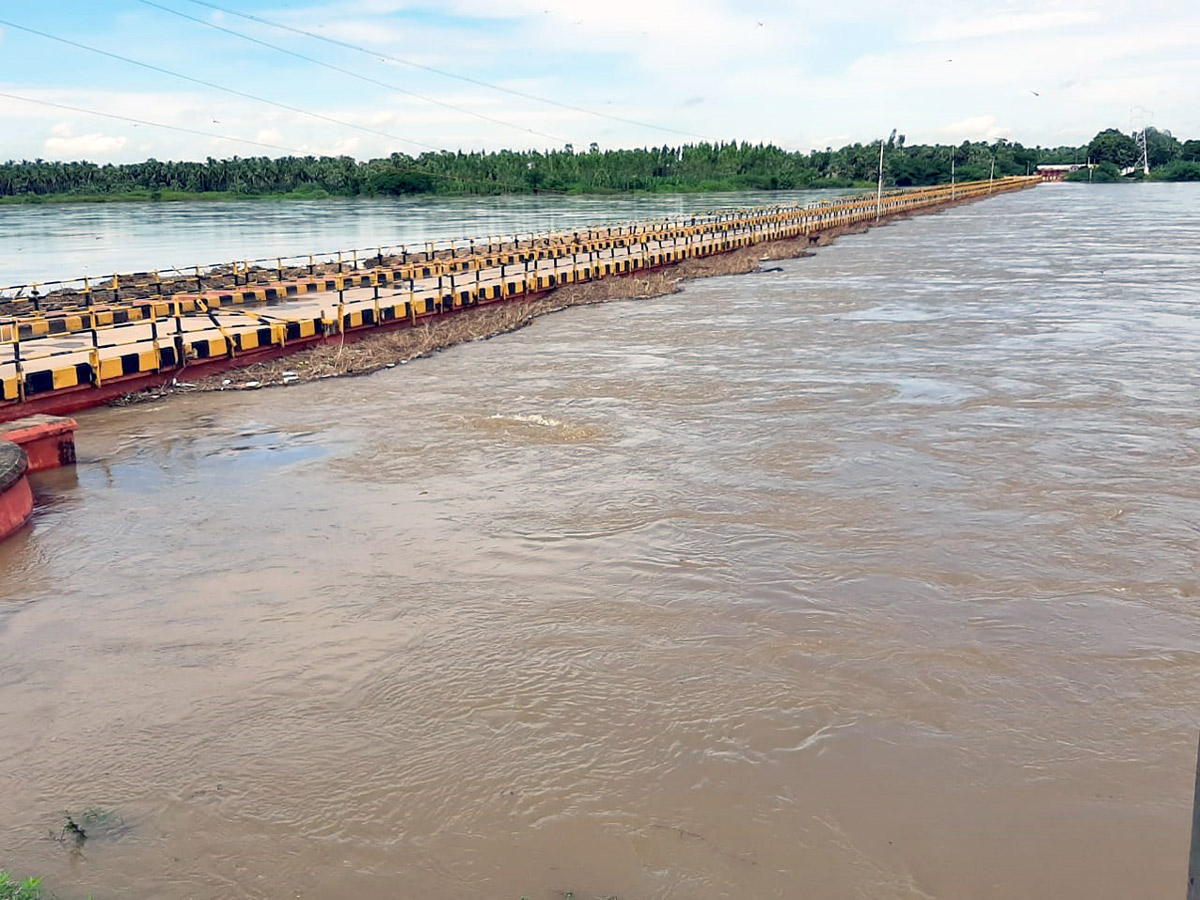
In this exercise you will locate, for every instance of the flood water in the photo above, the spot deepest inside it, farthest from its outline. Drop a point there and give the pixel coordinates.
(870, 578)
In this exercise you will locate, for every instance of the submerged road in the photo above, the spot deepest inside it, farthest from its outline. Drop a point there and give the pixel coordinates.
(203, 327)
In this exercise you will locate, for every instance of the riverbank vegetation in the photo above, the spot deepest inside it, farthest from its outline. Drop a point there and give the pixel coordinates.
(16, 889)
(692, 167)
(1118, 157)
(1099, 173)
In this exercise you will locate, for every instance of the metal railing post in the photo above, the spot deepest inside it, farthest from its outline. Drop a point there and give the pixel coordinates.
(94, 357)
(17, 363)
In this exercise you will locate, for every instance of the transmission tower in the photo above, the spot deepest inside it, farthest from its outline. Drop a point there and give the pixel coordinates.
(1142, 115)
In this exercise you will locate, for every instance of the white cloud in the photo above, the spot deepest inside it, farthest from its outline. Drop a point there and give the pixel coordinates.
(1054, 71)
(1003, 23)
(974, 128)
(63, 142)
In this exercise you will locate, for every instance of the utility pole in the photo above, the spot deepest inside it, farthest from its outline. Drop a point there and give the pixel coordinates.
(879, 190)
(992, 174)
(951, 174)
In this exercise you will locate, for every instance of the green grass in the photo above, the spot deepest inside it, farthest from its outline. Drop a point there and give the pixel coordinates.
(29, 889)
(1179, 170)
(1103, 173)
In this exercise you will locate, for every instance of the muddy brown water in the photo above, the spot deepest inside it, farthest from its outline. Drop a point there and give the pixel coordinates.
(873, 577)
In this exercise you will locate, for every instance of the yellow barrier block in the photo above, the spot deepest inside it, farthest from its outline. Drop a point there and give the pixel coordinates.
(65, 378)
(8, 387)
(656, 243)
(111, 368)
(211, 347)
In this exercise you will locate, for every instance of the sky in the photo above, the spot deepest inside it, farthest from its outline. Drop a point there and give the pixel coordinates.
(539, 74)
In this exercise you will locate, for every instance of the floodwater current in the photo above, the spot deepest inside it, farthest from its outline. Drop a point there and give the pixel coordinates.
(874, 577)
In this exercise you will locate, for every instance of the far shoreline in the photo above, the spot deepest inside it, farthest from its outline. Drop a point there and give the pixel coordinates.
(170, 196)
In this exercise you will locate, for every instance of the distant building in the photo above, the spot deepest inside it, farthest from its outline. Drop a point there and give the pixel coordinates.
(1059, 171)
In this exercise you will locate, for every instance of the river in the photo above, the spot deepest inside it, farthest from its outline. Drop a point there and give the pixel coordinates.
(871, 577)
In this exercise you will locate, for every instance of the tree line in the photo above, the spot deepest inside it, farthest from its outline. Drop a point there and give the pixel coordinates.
(690, 167)
(1114, 153)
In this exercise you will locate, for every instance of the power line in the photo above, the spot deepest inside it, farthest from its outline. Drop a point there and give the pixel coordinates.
(467, 179)
(95, 112)
(445, 73)
(215, 86)
(299, 154)
(352, 74)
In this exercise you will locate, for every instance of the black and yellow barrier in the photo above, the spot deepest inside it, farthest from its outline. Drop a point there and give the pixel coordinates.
(742, 227)
(59, 378)
(161, 334)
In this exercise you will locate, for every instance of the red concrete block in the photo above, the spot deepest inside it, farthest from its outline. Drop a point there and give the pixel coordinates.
(16, 499)
(48, 441)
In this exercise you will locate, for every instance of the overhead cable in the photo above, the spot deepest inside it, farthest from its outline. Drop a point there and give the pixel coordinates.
(217, 87)
(445, 72)
(352, 74)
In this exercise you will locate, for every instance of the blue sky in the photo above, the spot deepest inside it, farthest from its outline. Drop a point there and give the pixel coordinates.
(802, 75)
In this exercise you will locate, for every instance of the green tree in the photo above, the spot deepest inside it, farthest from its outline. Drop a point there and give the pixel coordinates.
(1179, 170)
(398, 181)
(1112, 146)
(1101, 173)
(1190, 151)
